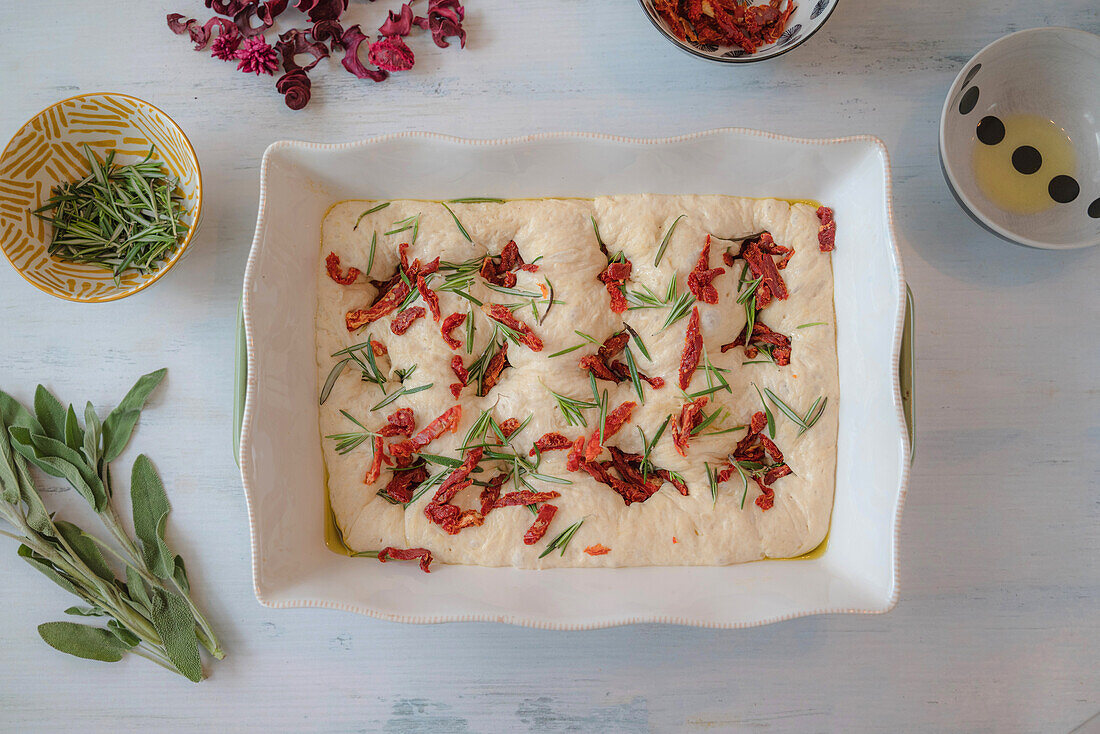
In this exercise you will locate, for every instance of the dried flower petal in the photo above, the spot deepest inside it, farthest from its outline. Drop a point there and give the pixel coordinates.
(391, 54)
(445, 19)
(271, 10)
(243, 19)
(322, 9)
(227, 8)
(295, 42)
(295, 88)
(398, 24)
(350, 41)
(328, 30)
(177, 27)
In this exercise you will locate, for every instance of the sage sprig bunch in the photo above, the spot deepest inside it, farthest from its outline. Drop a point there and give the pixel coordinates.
(148, 608)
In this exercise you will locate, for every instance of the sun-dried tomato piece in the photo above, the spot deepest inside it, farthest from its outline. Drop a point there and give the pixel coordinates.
(504, 316)
(771, 449)
(510, 258)
(451, 323)
(693, 349)
(622, 372)
(452, 519)
(375, 469)
(667, 476)
(762, 334)
(447, 421)
(400, 488)
(407, 554)
(378, 348)
(387, 303)
(450, 486)
(826, 232)
(538, 527)
(430, 297)
(509, 426)
(614, 279)
(456, 389)
(629, 467)
(691, 415)
(700, 279)
(758, 254)
(459, 369)
(776, 472)
(629, 492)
(399, 423)
(402, 321)
(496, 366)
(332, 264)
(597, 367)
(552, 441)
(525, 497)
(599, 549)
(529, 268)
(767, 499)
(756, 424)
(614, 420)
(575, 455)
(613, 346)
(491, 494)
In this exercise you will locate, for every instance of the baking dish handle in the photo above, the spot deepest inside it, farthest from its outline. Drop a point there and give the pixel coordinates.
(240, 383)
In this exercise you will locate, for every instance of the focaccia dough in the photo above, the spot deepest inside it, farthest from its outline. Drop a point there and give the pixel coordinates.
(667, 529)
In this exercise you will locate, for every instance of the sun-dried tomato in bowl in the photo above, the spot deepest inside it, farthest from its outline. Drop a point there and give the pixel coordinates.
(741, 24)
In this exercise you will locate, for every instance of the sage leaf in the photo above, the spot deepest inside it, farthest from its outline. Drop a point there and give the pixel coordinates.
(9, 483)
(25, 444)
(50, 413)
(86, 612)
(85, 549)
(135, 587)
(93, 434)
(82, 640)
(60, 578)
(151, 509)
(74, 437)
(179, 573)
(172, 620)
(125, 636)
(38, 517)
(119, 425)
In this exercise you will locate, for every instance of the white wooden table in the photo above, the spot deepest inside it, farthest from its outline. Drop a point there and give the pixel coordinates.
(998, 628)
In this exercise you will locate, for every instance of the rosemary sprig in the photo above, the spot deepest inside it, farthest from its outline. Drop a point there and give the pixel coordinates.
(596, 229)
(476, 200)
(586, 337)
(403, 225)
(348, 442)
(603, 415)
(709, 369)
(470, 329)
(633, 368)
(573, 409)
(647, 446)
(372, 210)
(712, 480)
(707, 391)
(562, 539)
(805, 422)
(813, 323)
(457, 222)
(680, 308)
(567, 350)
(118, 217)
(638, 341)
(767, 411)
(664, 242)
(406, 373)
(399, 393)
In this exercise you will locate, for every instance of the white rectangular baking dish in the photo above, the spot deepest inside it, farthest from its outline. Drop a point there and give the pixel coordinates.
(280, 453)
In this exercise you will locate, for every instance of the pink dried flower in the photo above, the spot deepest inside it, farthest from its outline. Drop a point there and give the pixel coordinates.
(257, 56)
(399, 24)
(391, 54)
(445, 19)
(225, 46)
(350, 40)
(322, 9)
(295, 88)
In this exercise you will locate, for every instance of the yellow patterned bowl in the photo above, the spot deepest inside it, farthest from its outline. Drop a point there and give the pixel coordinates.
(47, 151)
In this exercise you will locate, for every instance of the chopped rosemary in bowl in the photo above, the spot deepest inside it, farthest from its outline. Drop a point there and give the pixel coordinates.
(119, 217)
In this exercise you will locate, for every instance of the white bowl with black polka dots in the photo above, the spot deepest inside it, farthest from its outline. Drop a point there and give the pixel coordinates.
(805, 21)
(1020, 138)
